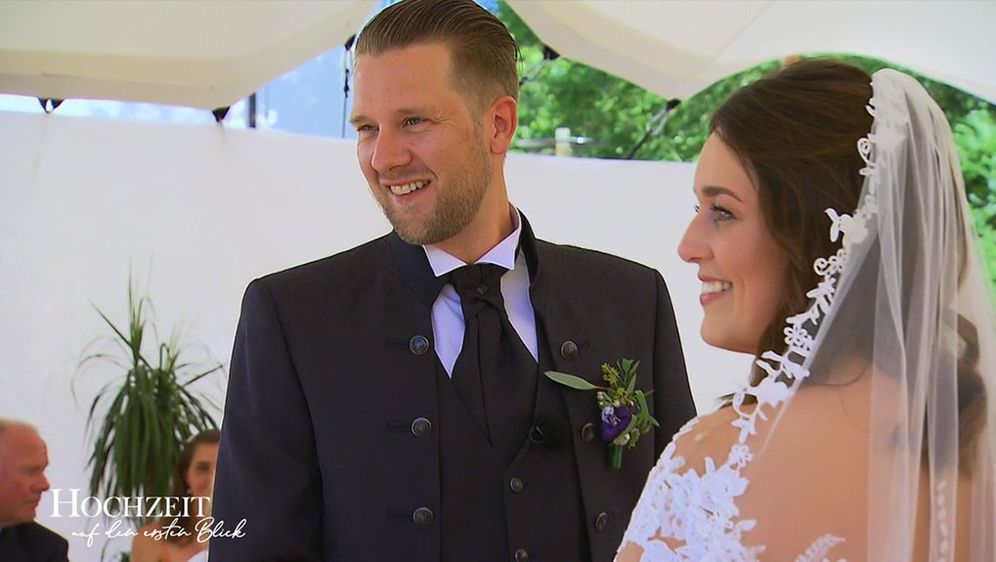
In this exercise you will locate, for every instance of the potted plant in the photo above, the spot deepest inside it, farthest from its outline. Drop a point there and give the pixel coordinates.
(142, 417)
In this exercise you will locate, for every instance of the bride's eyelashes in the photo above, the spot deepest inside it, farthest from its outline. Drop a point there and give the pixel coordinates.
(718, 213)
(721, 214)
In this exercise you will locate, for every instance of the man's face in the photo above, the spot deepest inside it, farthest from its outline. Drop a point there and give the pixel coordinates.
(421, 149)
(23, 458)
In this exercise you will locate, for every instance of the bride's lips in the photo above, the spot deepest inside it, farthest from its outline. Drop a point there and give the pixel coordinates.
(713, 289)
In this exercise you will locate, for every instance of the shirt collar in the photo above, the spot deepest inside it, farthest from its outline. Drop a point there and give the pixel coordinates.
(502, 254)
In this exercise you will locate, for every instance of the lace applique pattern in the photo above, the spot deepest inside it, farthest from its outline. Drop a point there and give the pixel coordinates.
(818, 550)
(698, 512)
(694, 509)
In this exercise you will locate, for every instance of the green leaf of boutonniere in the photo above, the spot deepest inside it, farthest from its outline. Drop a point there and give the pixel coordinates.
(641, 399)
(571, 381)
(631, 385)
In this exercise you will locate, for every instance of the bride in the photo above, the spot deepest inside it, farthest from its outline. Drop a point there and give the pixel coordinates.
(833, 242)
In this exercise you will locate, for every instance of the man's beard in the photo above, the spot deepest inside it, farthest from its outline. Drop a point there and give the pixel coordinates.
(456, 204)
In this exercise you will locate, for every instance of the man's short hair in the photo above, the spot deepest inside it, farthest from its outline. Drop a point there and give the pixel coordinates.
(484, 54)
(6, 423)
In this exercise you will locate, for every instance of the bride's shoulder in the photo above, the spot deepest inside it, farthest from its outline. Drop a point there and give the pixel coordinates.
(708, 435)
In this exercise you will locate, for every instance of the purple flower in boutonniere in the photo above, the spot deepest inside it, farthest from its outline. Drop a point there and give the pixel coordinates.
(624, 412)
(614, 421)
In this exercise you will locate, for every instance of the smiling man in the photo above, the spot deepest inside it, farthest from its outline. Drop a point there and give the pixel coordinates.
(388, 403)
(23, 458)
(432, 162)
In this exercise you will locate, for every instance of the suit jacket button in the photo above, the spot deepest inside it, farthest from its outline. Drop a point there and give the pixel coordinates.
(418, 345)
(588, 432)
(521, 555)
(601, 521)
(422, 516)
(516, 484)
(569, 350)
(421, 427)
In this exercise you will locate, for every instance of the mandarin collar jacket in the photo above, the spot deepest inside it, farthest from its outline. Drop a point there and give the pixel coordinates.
(329, 450)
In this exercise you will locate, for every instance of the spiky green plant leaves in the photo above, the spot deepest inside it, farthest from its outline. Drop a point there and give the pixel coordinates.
(139, 421)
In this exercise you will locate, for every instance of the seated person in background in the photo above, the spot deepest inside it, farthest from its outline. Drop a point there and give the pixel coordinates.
(193, 476)
(23, 458)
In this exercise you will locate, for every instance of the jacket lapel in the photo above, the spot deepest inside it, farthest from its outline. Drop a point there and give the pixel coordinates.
(560, 315)
(415, 269)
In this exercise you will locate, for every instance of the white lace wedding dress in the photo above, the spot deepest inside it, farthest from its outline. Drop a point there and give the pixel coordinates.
(685, 516)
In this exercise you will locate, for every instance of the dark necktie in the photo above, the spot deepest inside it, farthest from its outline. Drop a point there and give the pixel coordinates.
(494, 374)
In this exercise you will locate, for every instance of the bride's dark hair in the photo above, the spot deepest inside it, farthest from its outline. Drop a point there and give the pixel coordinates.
(796, 134)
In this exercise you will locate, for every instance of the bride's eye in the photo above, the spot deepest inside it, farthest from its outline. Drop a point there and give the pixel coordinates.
(720, 214)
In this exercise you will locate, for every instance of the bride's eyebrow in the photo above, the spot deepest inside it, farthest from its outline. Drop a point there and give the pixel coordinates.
(717, 190)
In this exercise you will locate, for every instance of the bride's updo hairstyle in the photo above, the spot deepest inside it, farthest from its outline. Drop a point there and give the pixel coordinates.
(796, 133)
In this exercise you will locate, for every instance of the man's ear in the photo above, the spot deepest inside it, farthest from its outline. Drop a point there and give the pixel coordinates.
(503, 116)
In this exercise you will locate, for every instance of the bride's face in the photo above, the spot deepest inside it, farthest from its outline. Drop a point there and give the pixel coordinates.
(740, 265)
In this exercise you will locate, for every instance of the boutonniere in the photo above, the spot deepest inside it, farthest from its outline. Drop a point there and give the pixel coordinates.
(625, 416)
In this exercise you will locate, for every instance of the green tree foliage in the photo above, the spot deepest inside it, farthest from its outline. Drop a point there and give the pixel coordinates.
(615, 114)
(975, 136)
(610, 110)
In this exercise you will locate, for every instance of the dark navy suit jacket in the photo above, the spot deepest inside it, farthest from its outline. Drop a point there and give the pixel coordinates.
(330, 360)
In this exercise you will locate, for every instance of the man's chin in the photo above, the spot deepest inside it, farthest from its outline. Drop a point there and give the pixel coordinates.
(408, 229)
(414, 238)
(419, 235)
(20, 518)
(29, 514)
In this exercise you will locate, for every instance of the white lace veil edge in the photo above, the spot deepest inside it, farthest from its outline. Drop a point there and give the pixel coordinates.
(877, 407)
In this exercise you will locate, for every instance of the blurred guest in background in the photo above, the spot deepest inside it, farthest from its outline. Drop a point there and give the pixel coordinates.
(175, 539)
(23, 458)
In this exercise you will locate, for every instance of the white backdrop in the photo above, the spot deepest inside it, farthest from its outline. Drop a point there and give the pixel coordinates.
(198, 211)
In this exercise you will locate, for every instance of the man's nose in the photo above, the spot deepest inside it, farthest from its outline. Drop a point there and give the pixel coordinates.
(389, 152)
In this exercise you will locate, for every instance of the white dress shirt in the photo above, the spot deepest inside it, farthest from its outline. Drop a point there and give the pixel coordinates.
(447, 315)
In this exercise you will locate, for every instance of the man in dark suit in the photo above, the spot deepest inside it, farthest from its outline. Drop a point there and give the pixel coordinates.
(23, 458)
(388, 403)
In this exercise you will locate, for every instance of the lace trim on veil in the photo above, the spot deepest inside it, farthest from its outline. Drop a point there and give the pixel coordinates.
(699, 511)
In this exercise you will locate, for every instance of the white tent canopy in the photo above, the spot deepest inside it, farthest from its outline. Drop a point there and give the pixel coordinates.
(196, 54)
(677, 48)
(210, 54)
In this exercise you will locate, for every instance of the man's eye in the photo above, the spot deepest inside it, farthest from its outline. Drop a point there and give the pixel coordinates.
(364, 128)
(411, 121)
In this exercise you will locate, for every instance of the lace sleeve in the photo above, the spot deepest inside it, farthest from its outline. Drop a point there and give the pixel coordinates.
(645, 523)
(694, 512)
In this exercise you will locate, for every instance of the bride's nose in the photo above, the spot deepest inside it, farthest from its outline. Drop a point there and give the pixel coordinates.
(693, 247)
